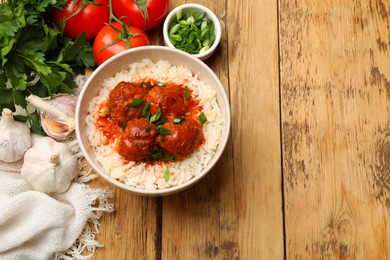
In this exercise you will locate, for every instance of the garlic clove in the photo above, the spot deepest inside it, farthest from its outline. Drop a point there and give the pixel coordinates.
(57, 130)
(56, 114)
(15, 138)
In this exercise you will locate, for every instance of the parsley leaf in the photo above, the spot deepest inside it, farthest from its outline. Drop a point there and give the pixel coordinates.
(35, 126)
(6, 99)
(35, 56)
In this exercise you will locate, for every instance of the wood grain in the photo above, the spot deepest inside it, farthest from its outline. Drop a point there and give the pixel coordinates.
(306, 171)
(335, 93)
(236, 211)
(223, 216)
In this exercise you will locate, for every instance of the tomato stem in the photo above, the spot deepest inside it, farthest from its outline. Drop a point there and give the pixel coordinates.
(112, 16)
(83, 4)
(141, 4)
(123, 35)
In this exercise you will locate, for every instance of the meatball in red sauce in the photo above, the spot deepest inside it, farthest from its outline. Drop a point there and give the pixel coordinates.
(138, 140)
(120, 99)
(183, 138)
(169, 98)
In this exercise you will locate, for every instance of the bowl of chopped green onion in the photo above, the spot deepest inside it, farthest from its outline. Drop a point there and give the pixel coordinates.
(192, 28)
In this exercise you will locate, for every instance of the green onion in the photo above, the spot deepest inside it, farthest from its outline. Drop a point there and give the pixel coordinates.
(191, 32)
(160, 84)
(187, 94)
(205, 48)
(174, 29)
(179, 119)
(108, 111)
(172, 157)
(163, 131)
(136, 102)
(145, 85)
(179, 14)
(161, 121)
(202, 118)
(145, 110)
(156, 154)
(156, 116)
(203, 26)
(160, 155)
(167, 175)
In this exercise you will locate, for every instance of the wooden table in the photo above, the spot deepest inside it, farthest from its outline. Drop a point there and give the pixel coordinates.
(306, 173)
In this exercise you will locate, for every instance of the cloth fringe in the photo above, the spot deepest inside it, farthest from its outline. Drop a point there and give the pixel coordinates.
(100, 203)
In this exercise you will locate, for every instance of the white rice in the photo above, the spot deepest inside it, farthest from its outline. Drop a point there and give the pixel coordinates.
(146, 176)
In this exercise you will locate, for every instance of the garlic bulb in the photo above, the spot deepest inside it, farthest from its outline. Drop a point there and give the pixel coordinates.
(15, 137)
(49, 166)
(56, 113)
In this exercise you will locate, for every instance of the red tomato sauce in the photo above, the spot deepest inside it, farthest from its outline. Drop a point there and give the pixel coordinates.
(151, 121)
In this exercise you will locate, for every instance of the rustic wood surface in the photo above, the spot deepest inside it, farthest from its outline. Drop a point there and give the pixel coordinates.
(236, 211)
(306, 173)
(335, 110)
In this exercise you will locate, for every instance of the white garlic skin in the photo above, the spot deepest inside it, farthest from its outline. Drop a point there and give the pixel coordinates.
(56, 114)
(50, 166)
(15, 138)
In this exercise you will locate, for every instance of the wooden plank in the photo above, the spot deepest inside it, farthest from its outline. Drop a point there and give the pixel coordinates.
(335, 81)
(236, 210)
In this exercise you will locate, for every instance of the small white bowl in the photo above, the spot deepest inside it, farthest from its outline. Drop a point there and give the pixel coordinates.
(194, 8)
(122, 61)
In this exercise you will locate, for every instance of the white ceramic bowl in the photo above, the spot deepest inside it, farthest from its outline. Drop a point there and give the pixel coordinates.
(122, 61)
(194, 8)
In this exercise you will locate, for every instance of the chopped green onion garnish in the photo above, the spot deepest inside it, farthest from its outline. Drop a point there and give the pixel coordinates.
(175, 38)
(145, 110)
(167, 175)
(172, 157)
(202, 118)
(108, 111)
(136, 102)
(145, 85)
(174, 29)
(187, 94)
(161, 121)
(156, 154)
(179, 14)
(190, 19)
(156, 116)
(163, 131)
(191, 32)
(203, 26)
(160, 84)
(205, 48)
(178, 120)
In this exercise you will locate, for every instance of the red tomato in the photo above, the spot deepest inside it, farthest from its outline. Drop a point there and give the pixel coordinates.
(129, 10)
(108, 35)
(90, 19)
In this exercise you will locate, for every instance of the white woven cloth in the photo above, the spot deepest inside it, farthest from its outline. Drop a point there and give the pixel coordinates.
(34, 225)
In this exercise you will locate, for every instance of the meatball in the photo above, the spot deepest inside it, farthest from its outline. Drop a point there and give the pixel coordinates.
(183, 138)
(169, 98)
(137, 140)
(119, 101)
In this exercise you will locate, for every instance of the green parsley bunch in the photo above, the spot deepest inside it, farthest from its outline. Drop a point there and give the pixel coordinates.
(35, 56)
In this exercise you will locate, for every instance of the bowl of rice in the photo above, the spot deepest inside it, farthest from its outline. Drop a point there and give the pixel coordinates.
(164, 147)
